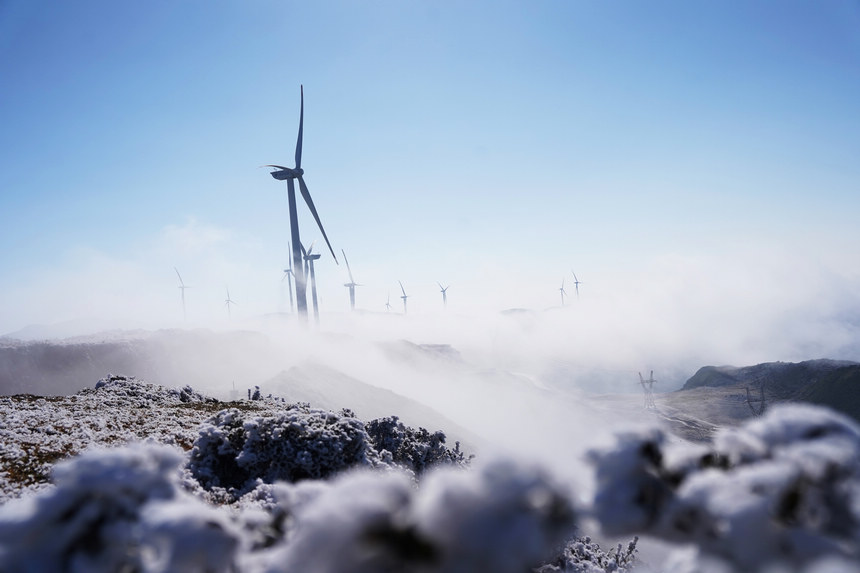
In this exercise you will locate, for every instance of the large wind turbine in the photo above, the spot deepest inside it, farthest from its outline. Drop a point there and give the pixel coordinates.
(309, 260)
(182, 288)
(562, 291)
(576, 283)
(290, 175)
(404, 297)
(444, 291)
(288, 274)
(351, 284)
(228, 302)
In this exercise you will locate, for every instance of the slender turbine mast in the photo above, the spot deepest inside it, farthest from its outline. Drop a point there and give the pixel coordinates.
(228, 302)
(351, 284)
(182, 288)
(309, 260)
(288, 274)
(404, 297)
(576, 283)
(444, 291)
(562, 291)
(290, 175)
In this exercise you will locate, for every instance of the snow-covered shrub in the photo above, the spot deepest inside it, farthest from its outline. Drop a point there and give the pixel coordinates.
(416, 450)
(582, 555)
(501, 517)
(116, 510)
(784, 488)
(236, 454)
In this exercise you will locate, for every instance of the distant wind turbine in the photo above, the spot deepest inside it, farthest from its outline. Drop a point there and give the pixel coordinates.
(444, 291)
(576, 283)
(290, 175)
(309, 260)
(562, 291)
(288, 274)
(404, 297)
(388, 303)
(351, 284)
(182, 288)
(228, 302)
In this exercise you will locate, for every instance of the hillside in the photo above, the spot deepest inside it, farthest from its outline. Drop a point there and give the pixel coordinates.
(831, 383)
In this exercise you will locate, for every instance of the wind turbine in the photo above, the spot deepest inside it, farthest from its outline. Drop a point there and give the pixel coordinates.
(388, 303)
(182, 288)
(288, 274)
(444, 294)
(562, 291)
(404, 297)
(290, 175)
(576, 283)
(351, 284)
(228, 302)
(309, 260)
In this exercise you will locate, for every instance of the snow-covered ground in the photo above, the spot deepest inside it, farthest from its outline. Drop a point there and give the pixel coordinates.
(135, 476)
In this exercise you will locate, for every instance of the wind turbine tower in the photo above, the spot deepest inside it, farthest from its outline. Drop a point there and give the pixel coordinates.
(351, 284)
(290, 176)
(182, 288)
(228, 302)
(404, 297)
(576, 283)
(444, 291)
(288, 274)
(309, 260)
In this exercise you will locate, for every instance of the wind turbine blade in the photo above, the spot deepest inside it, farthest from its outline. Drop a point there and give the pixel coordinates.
(290, 255)
(278, 166)
(180, 276)
(347, 266)
(301, 125)
(401, 288)
(304, 252)
(307, 196)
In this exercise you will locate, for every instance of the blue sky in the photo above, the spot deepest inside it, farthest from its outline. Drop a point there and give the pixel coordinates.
(491, 145)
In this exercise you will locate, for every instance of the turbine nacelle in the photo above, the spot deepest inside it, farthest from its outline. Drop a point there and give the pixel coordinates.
(284, 173)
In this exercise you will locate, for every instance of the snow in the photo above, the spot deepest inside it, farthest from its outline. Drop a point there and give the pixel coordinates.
(134, 476)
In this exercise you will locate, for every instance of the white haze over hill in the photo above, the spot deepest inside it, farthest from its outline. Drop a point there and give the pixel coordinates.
(671, 312)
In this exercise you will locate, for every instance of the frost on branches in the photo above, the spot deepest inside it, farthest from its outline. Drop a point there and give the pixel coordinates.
(125, 509)
(783, 489)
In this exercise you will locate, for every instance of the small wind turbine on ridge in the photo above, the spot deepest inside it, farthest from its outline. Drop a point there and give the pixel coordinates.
(562, 291)
(444, 291)
(404, 297)
(290, 175)
(576, 283)
(388, 302)
(288, 274)
(228, 302)
(182, 288)
(310, 257)
(351, 284)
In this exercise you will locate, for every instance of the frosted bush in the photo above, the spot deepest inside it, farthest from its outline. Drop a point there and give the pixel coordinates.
(235, 454)
(116, 510)
(782, 488)
(502, 517)
(416, 450)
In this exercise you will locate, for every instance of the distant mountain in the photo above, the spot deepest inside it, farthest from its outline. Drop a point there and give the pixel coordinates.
(329, 389)
(833, 383)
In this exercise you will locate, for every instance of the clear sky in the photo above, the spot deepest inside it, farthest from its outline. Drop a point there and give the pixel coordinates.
(703, 153)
